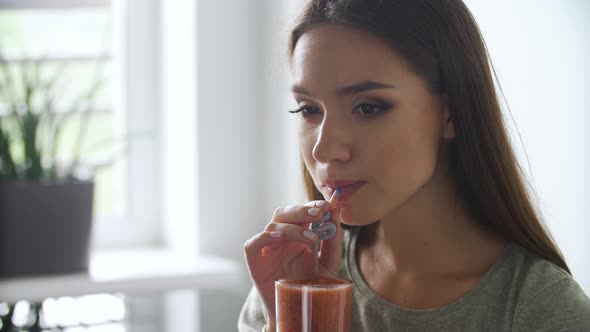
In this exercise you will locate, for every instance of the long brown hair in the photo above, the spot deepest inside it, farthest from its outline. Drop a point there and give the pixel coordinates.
(442, 44)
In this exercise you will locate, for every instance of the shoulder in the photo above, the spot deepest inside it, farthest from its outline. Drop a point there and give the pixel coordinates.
(549, 298)
(253, 316)
(561, 306)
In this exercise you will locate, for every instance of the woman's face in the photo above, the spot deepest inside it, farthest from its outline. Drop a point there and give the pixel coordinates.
(367, 123)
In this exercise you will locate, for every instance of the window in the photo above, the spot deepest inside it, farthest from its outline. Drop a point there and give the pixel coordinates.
(114, 42)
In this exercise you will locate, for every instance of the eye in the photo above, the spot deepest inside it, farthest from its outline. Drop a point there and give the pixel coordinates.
(368, 110)
(306, 110)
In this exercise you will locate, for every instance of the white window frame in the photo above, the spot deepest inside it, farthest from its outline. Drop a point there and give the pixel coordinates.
(136, 56)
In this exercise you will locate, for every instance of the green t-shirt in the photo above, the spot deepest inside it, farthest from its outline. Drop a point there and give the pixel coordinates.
(520, 292)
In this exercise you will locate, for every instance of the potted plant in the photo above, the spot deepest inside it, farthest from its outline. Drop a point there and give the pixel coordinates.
(45, 203)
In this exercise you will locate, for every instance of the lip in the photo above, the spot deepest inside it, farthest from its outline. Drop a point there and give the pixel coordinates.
(333, 184)
(348, 187)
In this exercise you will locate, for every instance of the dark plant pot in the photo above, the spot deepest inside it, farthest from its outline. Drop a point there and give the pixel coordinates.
(45, 228)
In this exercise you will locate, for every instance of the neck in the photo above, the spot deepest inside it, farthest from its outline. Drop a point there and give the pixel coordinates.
(432, 234)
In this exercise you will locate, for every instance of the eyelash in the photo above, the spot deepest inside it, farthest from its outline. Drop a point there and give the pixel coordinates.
(308, 110)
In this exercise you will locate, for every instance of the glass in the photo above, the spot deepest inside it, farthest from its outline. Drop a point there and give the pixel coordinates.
(56, 33)
(318, 305)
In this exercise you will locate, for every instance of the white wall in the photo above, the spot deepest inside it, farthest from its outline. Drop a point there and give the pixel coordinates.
(247, 161)
(540, 51)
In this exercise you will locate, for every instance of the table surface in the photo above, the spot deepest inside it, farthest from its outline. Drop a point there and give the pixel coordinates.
(128, 271)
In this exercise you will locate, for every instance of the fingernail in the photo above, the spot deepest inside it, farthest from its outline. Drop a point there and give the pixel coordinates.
(276, 234)
(309, 235)
(314, 211)
(320, 203)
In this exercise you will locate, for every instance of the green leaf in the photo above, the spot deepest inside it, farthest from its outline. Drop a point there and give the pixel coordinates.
(7, 166)
(33, 168)
(89, 97)
(30, 137)
(9, 88)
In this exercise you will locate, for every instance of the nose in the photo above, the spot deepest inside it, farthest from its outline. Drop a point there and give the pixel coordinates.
(332, 142)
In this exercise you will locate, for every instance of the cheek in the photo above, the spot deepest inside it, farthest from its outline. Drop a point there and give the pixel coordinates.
(408, 159)
(307, 141)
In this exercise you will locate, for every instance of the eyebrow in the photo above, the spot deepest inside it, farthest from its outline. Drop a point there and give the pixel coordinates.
(350, 89)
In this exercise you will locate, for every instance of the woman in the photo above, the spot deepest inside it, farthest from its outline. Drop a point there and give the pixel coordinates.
(398, 109)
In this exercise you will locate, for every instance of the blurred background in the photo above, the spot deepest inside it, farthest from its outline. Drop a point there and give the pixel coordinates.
(197, 91)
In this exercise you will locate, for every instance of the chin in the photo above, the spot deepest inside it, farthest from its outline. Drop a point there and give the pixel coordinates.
(352, 217)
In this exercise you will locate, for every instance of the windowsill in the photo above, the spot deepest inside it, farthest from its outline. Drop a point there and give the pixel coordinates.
(128, 271)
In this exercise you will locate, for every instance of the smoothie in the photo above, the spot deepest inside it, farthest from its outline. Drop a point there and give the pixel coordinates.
(317, 305)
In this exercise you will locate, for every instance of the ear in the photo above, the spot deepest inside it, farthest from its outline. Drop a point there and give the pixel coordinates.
(447, 125)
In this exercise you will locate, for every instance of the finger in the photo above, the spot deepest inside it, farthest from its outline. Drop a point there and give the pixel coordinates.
(300, 214)
(255, 244)
(331, 250)
(321, 203)
(293, 232)
(269, 249)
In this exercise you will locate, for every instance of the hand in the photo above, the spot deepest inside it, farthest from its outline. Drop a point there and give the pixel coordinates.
(282, 250)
